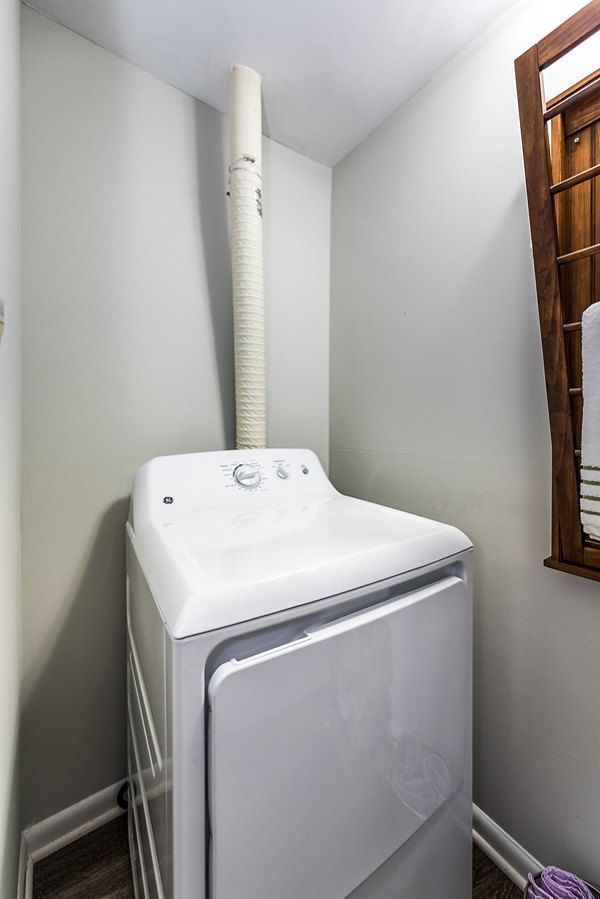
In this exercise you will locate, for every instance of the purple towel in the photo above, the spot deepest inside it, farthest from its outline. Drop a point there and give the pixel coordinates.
(557, 884)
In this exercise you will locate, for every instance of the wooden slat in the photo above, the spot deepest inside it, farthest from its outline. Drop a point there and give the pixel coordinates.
(585, 570)
(591, 556)
(582, 114)
(568, 35)
(562, 203)
(595, 187)
(559, 172)
(593, 76)
(575, 99)
(575, 179)
(580, 156)
(543, 237)
(583, 253)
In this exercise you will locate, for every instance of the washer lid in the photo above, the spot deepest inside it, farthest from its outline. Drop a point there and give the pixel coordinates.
(266, 550)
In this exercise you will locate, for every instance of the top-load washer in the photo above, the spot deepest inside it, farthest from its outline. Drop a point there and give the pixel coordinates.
(299, 687)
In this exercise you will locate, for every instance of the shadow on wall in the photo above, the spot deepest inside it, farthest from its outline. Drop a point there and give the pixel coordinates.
(84, 671)
(9, 847)
(212, 156)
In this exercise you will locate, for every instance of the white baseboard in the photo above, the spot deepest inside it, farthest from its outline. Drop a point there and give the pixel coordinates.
(505, 852)
(52, 834)
(25, 881)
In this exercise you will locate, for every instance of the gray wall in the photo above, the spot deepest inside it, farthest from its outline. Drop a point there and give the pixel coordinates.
(438, 407)
(128, 355)
(10, 443)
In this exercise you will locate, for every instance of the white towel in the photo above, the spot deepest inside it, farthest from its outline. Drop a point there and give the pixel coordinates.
(590, 431)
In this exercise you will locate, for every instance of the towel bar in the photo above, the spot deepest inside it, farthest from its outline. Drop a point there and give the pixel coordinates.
(579, 254)
(575, 179)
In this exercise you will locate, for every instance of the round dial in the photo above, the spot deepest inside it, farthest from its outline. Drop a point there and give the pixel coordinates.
(246, 476)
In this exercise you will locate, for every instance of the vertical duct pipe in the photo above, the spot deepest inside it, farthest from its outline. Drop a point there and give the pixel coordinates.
(246, 236)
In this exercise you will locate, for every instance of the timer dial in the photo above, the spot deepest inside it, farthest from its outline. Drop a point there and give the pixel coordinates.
(246, 476)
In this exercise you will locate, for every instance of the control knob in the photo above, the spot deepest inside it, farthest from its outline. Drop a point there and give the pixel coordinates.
(246, 476)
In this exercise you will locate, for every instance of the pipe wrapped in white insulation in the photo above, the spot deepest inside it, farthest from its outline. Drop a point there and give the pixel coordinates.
(246, 235)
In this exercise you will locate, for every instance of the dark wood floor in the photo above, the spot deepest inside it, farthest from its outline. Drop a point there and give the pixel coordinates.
(489, 882)
(97, 867)
(94, 867)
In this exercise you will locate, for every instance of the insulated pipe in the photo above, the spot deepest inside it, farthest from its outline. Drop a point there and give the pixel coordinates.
(246, 236)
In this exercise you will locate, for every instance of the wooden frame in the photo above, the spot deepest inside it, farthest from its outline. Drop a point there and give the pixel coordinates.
(549, 186)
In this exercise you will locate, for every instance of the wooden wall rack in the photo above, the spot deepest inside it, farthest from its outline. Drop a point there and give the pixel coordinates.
(561, 151)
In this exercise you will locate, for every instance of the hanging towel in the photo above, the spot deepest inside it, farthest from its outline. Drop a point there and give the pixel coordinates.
(557, 884)
(590, 432)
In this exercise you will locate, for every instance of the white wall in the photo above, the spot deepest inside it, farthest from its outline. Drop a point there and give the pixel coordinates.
(438, 406)
(128, 355)
(10, 443)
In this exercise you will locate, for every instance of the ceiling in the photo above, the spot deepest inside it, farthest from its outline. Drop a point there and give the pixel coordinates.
(333, 69)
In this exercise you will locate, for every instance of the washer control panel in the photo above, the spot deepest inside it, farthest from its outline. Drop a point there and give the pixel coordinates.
(259, 473)
(169, 486)
(278, 472)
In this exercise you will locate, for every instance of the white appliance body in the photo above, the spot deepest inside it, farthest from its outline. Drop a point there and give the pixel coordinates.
(299, 687)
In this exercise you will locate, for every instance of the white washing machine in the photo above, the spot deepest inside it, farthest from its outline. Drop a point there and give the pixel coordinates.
(299, 687)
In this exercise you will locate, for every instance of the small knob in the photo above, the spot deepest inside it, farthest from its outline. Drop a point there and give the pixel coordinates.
(246, 476)
(282, 473)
